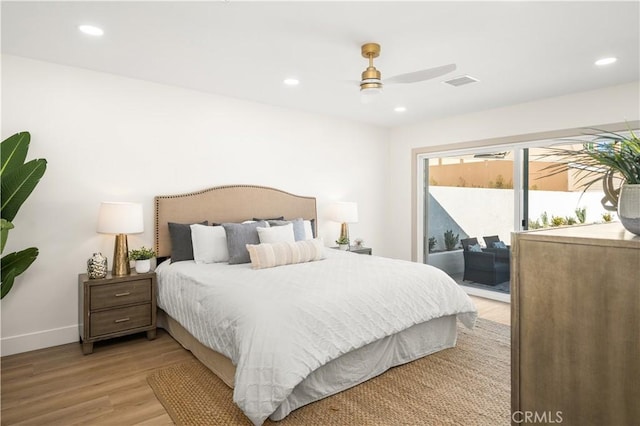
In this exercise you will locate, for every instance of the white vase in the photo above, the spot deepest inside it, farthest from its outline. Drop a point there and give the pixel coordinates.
(143, 266)
(343, 246)
(629, 207)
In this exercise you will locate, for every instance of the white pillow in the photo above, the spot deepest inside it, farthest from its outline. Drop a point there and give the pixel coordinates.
(308, 231)
(209, 244)
(278, 254)
(277, 234)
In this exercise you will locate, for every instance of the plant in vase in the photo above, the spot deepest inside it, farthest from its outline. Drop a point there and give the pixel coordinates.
(613, 159)
(142, 257)
(450, 240)
(343, 243)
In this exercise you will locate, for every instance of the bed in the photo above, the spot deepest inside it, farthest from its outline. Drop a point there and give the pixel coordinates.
(286, 336)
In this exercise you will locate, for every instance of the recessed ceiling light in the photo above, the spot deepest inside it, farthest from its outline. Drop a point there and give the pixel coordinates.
(291, 81)
(400, 109)
(91, 30)
(605, 61)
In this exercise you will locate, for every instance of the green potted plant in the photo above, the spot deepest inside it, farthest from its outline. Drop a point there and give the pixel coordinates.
(19, 179)
(343, 243)
(450, 240)
(143, 257)
(613, 158)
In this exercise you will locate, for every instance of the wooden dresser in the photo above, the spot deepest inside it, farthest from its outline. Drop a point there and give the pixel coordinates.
(116, 306)
(575, 326)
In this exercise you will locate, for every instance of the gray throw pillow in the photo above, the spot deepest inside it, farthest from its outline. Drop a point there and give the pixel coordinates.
(181, 246)
(475, 247)
(499, 245)
(298, 227)
(238, 236)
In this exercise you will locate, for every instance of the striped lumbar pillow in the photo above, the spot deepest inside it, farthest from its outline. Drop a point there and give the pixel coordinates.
(283, 253)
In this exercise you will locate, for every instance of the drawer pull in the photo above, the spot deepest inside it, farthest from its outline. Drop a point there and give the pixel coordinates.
(121, 320)
(126, 293)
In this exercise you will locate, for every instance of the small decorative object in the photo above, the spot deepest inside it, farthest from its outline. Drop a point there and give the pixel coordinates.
(359, 242)
(343, 243)
(143, 257)
(608, 157)
(97, 266)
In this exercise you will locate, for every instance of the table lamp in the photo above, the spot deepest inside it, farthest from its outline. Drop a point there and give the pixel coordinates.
(120, 219)
(345, 212)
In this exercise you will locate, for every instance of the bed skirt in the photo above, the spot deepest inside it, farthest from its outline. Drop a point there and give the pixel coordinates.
(343, 372)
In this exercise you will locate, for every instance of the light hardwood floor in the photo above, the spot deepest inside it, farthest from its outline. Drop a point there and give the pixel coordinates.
(60, 386)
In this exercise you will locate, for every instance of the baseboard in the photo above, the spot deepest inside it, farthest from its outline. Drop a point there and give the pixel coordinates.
(38, 340)
(487, 294)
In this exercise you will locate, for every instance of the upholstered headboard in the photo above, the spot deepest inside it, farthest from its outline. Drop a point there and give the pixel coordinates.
(233, 203)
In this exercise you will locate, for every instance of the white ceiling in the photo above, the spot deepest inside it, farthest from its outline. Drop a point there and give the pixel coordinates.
(520, 51)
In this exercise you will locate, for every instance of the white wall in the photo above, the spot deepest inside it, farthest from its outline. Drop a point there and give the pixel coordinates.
(580, 110)
(111, 138)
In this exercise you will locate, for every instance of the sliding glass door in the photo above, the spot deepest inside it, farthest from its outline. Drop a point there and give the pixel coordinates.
(467, 196)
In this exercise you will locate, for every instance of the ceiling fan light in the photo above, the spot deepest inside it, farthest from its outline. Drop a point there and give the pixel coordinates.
(369, 94)
(372, 85)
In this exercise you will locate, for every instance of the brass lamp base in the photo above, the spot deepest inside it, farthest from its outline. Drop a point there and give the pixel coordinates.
(344, 231)
(121, 256)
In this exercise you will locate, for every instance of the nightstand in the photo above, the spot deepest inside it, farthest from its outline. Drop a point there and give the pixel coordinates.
(116, 306)
(359, 250)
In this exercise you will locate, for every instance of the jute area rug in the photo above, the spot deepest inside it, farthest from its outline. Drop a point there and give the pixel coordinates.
(465, 385)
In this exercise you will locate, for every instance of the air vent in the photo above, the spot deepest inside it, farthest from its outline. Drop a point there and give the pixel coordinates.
(462, 80)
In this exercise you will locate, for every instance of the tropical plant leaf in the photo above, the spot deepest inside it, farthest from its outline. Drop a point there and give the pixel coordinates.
(7, 283)
(17, 185)
(5, 226)
(13, 151)
(15, 264)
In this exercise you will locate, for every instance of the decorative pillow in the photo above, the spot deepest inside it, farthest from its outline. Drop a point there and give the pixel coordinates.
(309, 230)
(278, 254)
(238, 236)
(299, 232)
(499, 244)
(209, 244)
(277, 234)
(475, 247)
(181, 246)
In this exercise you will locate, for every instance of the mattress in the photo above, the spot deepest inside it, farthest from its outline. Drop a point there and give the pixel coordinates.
(285, 326)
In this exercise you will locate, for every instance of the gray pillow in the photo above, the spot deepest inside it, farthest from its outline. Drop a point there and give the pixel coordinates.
(238, 236)
(475, 248)
(298, 227)
(500, 245)
(181, 246)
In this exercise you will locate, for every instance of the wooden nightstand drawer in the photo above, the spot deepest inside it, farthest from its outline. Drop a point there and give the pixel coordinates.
(115, 320)
(126, 293)
(116, 306)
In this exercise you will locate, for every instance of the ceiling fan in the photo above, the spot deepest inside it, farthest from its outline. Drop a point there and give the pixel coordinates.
(371, 82)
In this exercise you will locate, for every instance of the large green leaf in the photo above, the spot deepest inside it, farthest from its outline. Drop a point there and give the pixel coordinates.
(5, 226)
(17, 185)
(13, 151)
(15, 264)
(7, 283)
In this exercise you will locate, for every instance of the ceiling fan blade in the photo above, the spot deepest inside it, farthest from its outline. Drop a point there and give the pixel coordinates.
(416, 76)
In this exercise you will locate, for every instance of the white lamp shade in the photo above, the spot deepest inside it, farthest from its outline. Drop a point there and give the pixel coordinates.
(120, 218)
(345, 212)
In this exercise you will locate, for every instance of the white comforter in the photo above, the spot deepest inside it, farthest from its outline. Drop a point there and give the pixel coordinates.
(278, 325)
